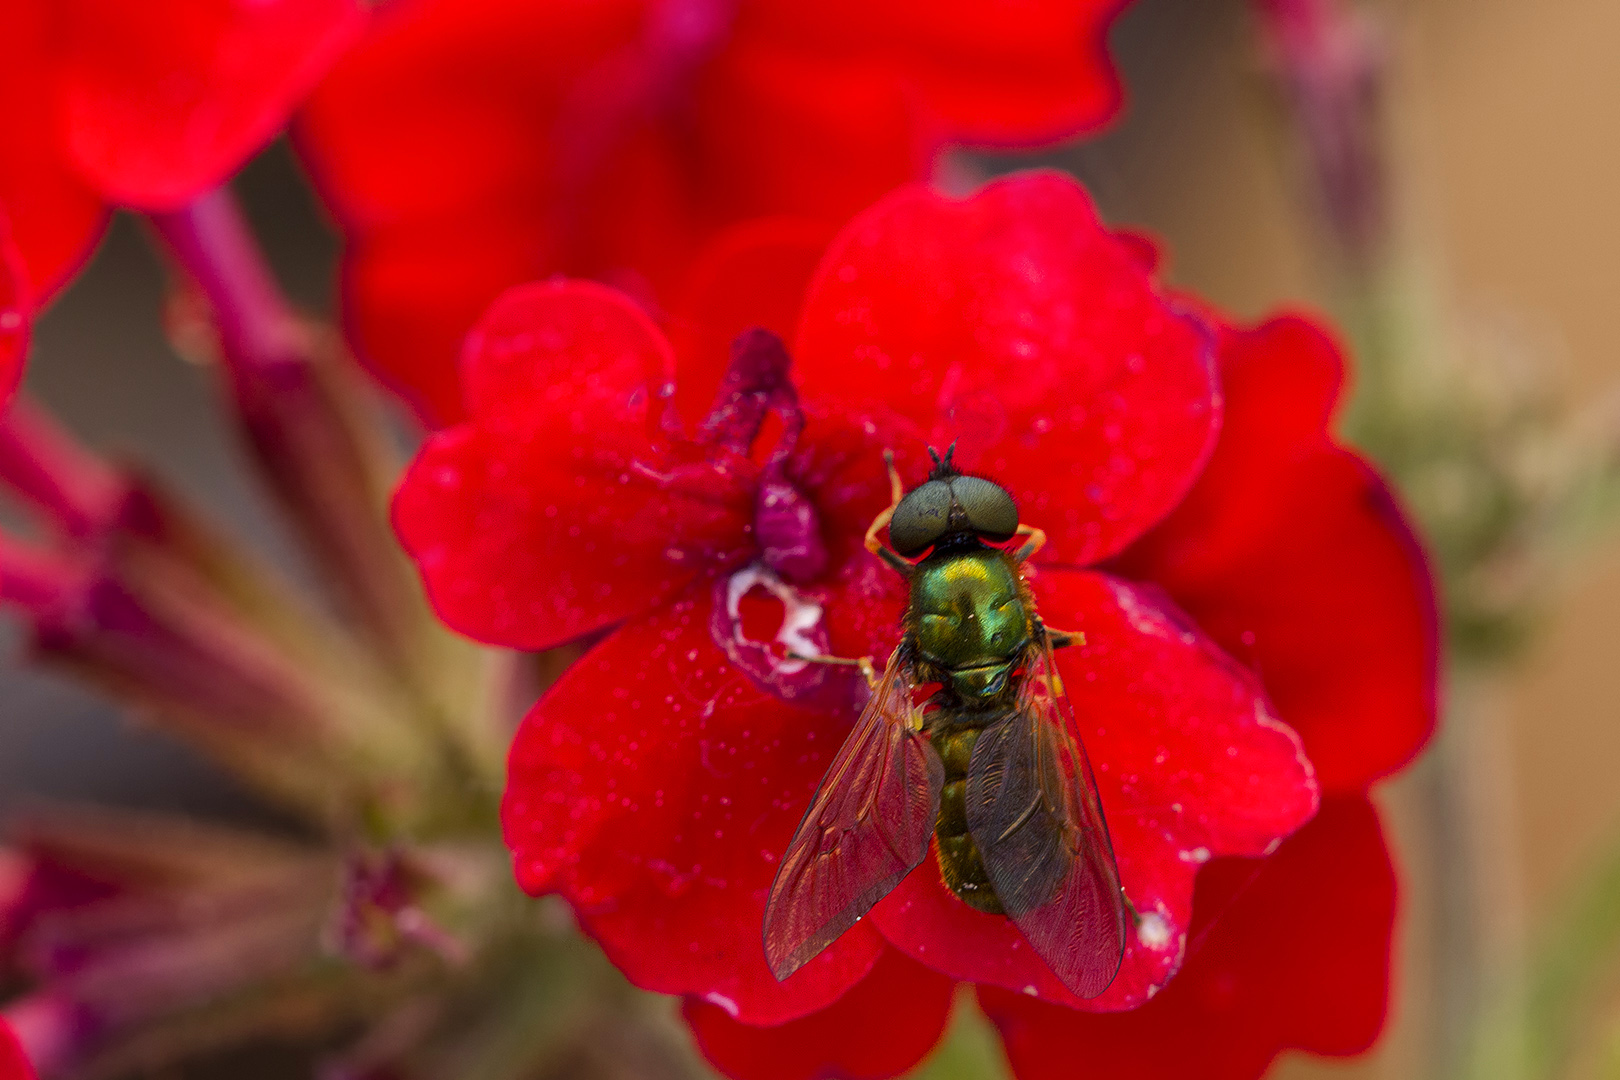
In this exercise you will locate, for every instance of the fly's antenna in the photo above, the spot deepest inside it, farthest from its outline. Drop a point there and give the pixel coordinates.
(944, 467)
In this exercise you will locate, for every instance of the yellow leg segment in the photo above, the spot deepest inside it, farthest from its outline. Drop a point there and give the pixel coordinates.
(873, 543)
(862, 662)
(1036, 541)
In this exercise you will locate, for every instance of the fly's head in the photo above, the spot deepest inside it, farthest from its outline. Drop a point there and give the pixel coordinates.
(950, 509)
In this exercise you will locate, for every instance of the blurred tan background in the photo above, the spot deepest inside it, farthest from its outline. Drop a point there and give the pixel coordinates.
(1506, 158)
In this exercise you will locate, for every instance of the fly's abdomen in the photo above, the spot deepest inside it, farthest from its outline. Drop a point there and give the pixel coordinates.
(959, 860)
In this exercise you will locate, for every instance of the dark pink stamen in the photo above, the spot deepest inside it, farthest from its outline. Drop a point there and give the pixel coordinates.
(757, 383)
(787, 529)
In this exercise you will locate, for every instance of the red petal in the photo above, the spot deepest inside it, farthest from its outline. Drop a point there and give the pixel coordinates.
(409, 299)
(442, 142)
(1189, 763)
(164, 99)
(884, 1025)
(429, 143)
(1292, 554)
(656, 786)
(1008, 74)
(785, 130)
(553, 512)
(13, 1062)
(1147, 247)
(1298, 956)
(55, 216)
(1015, 322)
(753, 275)
(14, 312)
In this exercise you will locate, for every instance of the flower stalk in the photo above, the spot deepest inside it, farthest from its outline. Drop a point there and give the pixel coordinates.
(137, 596)
(76, 493)
(1329, 60)
(31, 578)
(328, 463)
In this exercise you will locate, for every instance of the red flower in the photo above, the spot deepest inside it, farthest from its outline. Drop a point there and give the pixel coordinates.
(471, 145)
(1289, 951)
(143, 105)
(660, 779)
(1291, 554)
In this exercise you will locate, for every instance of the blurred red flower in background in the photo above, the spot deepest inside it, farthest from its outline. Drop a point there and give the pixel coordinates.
(469, 145)
(143, 105)
(656, 784)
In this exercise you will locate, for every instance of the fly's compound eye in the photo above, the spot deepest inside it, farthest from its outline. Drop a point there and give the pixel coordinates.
(921, 518)
(960, 504)
(989, 509)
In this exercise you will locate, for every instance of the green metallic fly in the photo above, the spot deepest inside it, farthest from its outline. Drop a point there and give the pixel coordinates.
(989, 763)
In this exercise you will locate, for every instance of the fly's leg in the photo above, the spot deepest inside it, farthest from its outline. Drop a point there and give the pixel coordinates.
(1036, 540)
(1062, 639)
(862, 662)
(879, 523)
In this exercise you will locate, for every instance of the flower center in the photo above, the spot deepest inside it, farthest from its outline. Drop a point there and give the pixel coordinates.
(760, 619)
(763, 623)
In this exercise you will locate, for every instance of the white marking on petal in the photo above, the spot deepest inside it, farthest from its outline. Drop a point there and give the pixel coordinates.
(1153, 931)
(716, 998)
(800, 615)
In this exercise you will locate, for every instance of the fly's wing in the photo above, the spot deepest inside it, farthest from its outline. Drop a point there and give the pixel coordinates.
(867, 827)
(1034, 814)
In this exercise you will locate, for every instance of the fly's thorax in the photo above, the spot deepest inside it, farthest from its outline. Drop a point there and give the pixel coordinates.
(970, 622)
